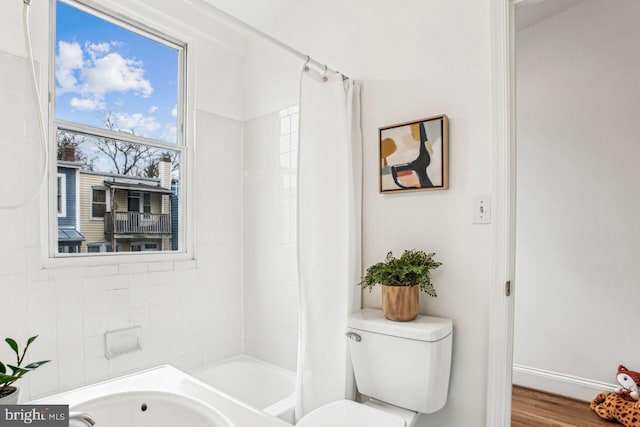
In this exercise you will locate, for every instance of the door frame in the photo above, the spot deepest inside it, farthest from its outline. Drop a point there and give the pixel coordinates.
(501, 306)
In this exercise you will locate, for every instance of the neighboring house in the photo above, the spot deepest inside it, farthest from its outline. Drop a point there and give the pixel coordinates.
(129, 213)
(174, 217)
(69, 236)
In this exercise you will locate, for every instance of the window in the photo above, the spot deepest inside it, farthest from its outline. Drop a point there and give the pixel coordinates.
(98, 203)
(98, 247)
(139, 202)
(61, 199)
(68, 249)
(144, 247)
(119, 98)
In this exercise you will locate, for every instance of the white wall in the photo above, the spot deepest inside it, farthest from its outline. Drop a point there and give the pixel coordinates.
(191, 310)
(415, 60)
(269, 251)
(272, 78)
(578, 210)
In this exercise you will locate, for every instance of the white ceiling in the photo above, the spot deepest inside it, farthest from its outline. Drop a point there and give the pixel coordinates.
(531, 12)
(252, 12)
(259, 12)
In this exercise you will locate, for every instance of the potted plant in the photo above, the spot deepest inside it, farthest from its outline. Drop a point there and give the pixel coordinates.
(401, 279)
(8, 393)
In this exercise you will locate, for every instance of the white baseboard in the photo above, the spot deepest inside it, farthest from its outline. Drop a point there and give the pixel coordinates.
(562, 384)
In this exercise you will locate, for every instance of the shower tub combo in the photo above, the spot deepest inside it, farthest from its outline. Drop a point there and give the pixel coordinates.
(160, 397)
(255, 382)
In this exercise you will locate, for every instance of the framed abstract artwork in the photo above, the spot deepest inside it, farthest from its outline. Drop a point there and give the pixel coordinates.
(415, 155)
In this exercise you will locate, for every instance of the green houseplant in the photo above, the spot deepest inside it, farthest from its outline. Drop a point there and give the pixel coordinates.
(401, 279)
(8, 392)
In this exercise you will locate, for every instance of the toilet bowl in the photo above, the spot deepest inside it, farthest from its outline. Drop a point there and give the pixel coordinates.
(403, 367)
(347, 413)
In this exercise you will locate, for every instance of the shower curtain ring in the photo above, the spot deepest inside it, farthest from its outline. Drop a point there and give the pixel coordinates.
(306, 64)
(324, 76)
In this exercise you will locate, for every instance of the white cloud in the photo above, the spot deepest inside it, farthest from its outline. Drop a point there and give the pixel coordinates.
(153, 109)
(137, 123)
(174, 112)
(89, 104)
(97, 49)
(68, 60)
(170, 134)
(112, 72)
(102, 72)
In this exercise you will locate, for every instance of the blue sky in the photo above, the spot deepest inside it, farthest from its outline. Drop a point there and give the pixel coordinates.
(104, 70)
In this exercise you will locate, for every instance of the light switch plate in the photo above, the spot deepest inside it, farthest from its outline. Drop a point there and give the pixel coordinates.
(482, 209)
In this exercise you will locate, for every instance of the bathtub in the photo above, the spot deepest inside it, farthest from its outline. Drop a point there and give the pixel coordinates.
(161, 397)
(255, 382)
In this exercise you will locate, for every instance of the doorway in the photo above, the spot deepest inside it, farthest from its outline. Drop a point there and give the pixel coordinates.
(577, 205)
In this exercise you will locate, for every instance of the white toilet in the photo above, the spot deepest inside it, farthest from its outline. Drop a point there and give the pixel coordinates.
(403, 367)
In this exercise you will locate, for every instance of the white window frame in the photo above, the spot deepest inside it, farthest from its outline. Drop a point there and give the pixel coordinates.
(130, 20)
(61, 189)
(107, 203)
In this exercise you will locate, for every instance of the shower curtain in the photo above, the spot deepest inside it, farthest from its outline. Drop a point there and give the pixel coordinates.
(329, 236)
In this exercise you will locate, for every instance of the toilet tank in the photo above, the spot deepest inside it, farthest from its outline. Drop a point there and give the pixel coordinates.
(406, 364)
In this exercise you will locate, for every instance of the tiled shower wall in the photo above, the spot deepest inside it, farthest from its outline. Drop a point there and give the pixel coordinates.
(269, 235)
(190, 311)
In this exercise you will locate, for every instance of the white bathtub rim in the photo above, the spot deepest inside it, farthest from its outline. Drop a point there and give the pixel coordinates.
(172, 379)
(281, 407)
(204, 406)
(137, 386)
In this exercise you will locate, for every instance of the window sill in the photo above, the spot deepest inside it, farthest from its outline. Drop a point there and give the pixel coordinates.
(103, 259)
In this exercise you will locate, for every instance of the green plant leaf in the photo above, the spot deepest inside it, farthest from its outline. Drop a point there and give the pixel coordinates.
(3, 369)
(17, 371)
(14, 346)
(5, 379)
(35, 365)
(411, 269)
(32, 339)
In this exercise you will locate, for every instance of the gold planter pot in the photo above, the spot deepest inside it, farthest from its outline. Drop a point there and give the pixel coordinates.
(400, 303)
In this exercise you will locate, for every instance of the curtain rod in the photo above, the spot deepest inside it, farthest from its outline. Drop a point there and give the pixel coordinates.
(273, 40)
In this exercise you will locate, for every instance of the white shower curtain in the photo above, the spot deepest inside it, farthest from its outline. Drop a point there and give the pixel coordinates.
(329, 236)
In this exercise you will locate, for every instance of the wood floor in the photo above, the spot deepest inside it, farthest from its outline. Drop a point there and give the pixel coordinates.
(532, 408)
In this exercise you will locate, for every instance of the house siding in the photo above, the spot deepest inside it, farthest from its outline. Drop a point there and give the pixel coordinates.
(69, 220)
(92, 229)
(174, 218)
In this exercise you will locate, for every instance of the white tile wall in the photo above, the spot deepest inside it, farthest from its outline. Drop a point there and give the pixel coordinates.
(190, 311)
(269, 224)
(72, 314)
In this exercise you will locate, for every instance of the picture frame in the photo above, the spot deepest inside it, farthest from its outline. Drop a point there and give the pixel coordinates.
(414, 156)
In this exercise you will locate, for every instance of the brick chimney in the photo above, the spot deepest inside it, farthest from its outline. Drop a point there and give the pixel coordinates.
(164, 173)
(68, 153)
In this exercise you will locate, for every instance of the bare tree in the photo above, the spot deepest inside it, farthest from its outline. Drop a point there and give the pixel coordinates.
(111, 155)
(152, 169)
(127, 158)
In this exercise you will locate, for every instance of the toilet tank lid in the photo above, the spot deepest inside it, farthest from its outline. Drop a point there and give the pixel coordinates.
(423, 328)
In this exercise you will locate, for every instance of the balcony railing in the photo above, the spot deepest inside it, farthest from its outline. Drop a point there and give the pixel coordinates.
(137, 223)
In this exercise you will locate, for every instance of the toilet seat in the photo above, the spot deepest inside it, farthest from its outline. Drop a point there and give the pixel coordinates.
(347, 413)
